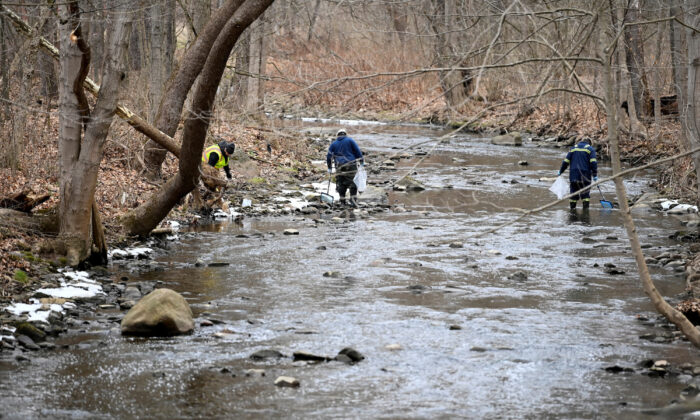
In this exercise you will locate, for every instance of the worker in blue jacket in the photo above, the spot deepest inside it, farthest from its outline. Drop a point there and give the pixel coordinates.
(346, 154)
(583, 168)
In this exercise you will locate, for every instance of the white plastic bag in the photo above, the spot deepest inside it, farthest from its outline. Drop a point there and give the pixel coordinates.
(560, 187)
(360, 179)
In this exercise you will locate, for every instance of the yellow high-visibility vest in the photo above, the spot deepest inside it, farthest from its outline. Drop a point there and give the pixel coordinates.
(223, 160)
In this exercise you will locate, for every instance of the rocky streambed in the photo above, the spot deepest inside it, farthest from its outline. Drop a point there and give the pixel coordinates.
(398, 308)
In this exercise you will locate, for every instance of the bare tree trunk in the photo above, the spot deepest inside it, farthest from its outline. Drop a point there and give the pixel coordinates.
(679, 63)
(692, 115)
(80, 155)
(4, 72)
(312, 20)
(634, 51)
(256, 67)
(97, 40)
(239, 84)
(147, 216)
(175, 92)
(454, 83)
(663, 307)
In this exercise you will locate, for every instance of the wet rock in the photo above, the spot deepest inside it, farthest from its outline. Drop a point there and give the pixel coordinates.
(456, 245)
(617, 369)
(393, 347)
(27, 342)
(518, 276)
(305, 355)
(411, 184)
(22, 358)
(509, 139)
(522, 163)
(162, 312)
(206, 323)
(266, 354)
(224, 334)
(511, 257)
(29, 330)
(219, 264)
(321, 248)
(455, 327)
(613, 271)
(478, 349)
(128, 304)
(354, 355)
(255, 372)
(287, 381)
(344, 359)
(333, 274)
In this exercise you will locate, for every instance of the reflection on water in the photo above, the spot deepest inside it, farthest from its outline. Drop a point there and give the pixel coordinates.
(515, 324)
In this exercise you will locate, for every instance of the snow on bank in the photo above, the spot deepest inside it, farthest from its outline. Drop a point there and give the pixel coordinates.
(74, 285)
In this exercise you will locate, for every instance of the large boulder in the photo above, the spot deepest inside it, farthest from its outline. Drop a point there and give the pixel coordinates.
(508, 139)
(163, 312)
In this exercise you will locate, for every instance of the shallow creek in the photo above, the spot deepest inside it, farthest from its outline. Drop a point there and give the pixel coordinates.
(474, 340)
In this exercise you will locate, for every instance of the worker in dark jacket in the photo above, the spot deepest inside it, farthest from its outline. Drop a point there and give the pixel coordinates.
(217, 156)
(583, 168)
(346, 154)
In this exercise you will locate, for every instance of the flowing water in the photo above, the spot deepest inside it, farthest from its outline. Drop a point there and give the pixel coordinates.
(475, 341)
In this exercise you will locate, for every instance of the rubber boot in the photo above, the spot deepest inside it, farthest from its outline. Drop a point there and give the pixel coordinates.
(572, 205)
(586, 204)
(353, 201)
(342, 202)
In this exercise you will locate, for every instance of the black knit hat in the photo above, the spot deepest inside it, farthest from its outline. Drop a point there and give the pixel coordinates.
(230, 148)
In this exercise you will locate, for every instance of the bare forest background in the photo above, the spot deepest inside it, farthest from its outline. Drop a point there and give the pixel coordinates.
(181, 74)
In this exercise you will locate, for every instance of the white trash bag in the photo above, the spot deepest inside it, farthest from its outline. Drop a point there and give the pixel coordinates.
(360, 179)
(560, 187)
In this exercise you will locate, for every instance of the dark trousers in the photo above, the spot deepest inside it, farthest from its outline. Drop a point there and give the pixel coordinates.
(584, 193)
(344, 180)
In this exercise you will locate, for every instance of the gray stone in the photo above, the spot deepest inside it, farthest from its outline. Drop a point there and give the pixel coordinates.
(287, 381)
(353, 354)
(509, 139)
(266, 354)
(305, 355)
(27, 342)
(291, 232)
(162, 312)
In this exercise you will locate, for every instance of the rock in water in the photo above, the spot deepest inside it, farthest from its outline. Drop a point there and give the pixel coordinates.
(287, 381)
(163, 312)
(510, 139)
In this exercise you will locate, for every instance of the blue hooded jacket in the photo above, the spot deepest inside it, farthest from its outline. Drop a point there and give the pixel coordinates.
(343, 150)
(584, 165)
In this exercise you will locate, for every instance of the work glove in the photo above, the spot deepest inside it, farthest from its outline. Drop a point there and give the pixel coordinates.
(229, 176)
(558, 173)
(329, 171)
(595, 179)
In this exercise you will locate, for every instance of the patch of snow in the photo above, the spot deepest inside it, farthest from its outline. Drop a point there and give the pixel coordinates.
(683, 209)
(668, 204)
(34, 311)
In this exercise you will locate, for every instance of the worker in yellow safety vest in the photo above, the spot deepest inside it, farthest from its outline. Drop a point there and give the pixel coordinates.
(217, 155)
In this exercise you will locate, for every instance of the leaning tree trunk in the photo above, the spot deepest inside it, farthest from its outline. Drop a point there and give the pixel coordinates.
(146, 217)
(660, 304)
(80, 154)
(179, 85)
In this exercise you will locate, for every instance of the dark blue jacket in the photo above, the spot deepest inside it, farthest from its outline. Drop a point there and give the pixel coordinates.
(343, 150)
(584, 165)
